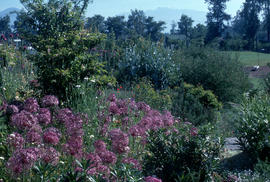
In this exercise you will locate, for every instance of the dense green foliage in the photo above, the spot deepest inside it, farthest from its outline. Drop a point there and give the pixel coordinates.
(187, 155)
(253, 127)
(215, 71)
(195, 104)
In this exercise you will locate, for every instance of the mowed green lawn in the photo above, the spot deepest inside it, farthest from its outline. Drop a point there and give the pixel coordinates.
(249, 58)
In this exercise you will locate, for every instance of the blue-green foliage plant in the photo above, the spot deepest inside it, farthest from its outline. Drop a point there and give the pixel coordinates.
(147, 59)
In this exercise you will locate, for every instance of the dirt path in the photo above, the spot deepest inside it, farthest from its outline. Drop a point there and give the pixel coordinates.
(260, 73)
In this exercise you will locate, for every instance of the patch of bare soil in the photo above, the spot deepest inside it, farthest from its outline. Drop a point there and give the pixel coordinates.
(260, 73)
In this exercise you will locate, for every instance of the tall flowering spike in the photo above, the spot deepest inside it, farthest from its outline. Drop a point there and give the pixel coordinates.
(119, 140)
(50, 156)
(12, 109)
(23, 120)
(31, 105)
(22, 160)
(64, 115)
(152, 179)
(15, 141)
(44, 116)
(49, 101)
(51, 136)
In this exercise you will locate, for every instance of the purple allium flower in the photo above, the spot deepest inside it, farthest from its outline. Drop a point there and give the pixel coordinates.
(152, 179)
(100, 145)
(49, 100)
(74, 126)
(50, 155)
(123, 106)
(64, 115)
(44, 116)
(22, 160)
(155, 119)
(167, 118)
(133, 162)
(112, 98)
(103, 170)
(95, 160)
(23, 120)
(36, 128)
(74, 146)
(143, 106)
(12, 109)
(31, 105)
(33, 137)
(119, 140)
(108, 157)
(51, 136)
(136, 130)
(193, 131)
(15, 140)
(113, 109)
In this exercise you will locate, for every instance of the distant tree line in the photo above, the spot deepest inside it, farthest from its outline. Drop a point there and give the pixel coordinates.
(245, 31)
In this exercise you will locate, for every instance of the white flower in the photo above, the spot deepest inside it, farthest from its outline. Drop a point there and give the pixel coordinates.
(61, 162)
(266, 121)
(12, 135)
(91, 136)
(86, 78)
(2, 158)
(93, 80)
(78, 86)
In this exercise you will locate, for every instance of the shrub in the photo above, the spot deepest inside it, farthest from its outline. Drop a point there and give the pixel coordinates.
(253, 126)
(151, 60)
(195, 104)
(215, 71)
(157, 99)
(184, 155)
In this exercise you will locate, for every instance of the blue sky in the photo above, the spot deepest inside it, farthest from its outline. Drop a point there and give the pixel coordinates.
(115, 7)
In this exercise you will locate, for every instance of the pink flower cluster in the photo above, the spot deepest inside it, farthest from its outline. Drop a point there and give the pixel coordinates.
(119, 140)
(152, 179)
(27, 121)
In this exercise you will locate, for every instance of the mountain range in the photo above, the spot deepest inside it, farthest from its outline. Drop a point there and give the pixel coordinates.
(9, 12)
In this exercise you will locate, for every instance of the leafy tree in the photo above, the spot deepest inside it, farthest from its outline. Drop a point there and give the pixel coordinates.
(116, 25)
(185, 27)
(154, 29)
(173, 29)
(215, 18)
(251, 22)
(96, 22)
(136, 22)
(55, 30)
(5, 24)
(198, 34)
(266, 9)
